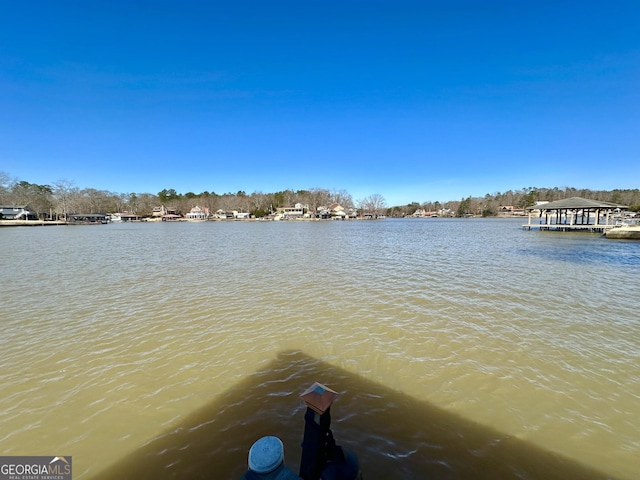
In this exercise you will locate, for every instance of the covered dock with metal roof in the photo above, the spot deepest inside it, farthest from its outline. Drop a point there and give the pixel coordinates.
(574, 214)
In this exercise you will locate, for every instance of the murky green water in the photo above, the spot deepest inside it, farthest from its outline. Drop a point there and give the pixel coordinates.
(461, 348)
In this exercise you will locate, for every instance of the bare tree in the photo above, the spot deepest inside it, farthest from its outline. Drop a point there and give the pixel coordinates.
(260, 204)
(210, 201)
(63, 190)
(342, 197)
(228, 202)
(5, 187)
(95, 201)
(145, 204)
(374, 204)
(317, 197)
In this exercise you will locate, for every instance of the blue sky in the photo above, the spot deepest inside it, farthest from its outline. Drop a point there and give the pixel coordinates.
(414, 100)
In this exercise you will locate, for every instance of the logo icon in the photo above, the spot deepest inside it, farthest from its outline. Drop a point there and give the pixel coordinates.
(36, 468)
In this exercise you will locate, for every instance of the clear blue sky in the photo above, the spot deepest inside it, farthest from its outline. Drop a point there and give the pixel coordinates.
(414, 100)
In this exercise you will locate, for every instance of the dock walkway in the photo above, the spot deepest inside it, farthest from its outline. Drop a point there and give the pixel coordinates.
(29, 223)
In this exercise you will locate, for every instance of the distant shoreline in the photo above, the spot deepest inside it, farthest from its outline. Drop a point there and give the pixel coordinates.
(47, 223)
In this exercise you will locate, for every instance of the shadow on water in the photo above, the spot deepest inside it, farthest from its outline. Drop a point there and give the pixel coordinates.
(395, 436)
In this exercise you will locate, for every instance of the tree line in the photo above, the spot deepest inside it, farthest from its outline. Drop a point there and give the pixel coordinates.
(63, 197)
(490, 204)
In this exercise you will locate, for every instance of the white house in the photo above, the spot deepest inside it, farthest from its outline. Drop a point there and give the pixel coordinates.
(197, 213)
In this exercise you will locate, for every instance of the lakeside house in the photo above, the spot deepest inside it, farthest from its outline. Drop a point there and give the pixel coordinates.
(301, 211)
(230, 215)
(297, 211)
(292, 213)
(224, 214)
(198, 213)
(162, 211)
(17, 212)
(323, 213)
(159, 212)
(422, 213)
(338, 212)
(165, 214)
(510, 210)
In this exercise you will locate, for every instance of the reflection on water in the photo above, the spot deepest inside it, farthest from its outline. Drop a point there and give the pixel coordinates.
(462, 348)
(590, 249)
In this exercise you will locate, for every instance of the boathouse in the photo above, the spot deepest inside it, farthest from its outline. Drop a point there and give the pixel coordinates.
(125, 217)
(573, 214)
(87, 218)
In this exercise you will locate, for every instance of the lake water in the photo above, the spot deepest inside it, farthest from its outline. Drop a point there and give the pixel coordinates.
(461, 348)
